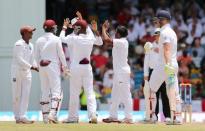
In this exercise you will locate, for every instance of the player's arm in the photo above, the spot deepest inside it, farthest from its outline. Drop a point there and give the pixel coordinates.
(65, 39)
(33, 61)
(61, 53)
(105, 36)
(94, 28)
(19, 56)
(167, 52)
(146, 66)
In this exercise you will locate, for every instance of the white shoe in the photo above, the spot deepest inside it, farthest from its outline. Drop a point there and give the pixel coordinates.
(67, 121)
(24, 121)
(127, 121)
(167, 119)
(93, 119)
(52, 119)
(175, 122)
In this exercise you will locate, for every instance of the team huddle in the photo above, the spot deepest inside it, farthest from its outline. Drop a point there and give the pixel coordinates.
(47, 58)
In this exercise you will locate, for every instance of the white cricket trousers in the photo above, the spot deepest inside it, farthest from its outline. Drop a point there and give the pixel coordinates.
(157, 78)
(121, 94)
(51, 91)
(21, 85)
(50, 81)
(81, 76)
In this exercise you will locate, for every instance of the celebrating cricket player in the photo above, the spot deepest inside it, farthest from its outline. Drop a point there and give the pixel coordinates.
(81, 45)
(49, 56)
(121, 82)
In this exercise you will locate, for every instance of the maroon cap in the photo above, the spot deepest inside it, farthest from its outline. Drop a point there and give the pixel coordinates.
(27, 29)
(81, 23)
(49, 24)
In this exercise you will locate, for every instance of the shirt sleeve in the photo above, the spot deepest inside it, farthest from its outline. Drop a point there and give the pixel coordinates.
(146, 64)
(33, 61)
(165, 38)
(98, 41)
(18, 49)
(66, 39)
(90, 33)
(61, 54)
(37, 53)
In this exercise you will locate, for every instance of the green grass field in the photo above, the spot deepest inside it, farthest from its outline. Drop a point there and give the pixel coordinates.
(11, 126)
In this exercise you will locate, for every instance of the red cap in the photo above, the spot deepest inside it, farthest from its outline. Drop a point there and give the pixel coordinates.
(49, 24)
(81, 23)
(27, 29)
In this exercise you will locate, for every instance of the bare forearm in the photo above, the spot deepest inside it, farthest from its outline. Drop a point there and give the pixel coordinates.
(167, 53)
(106, 38)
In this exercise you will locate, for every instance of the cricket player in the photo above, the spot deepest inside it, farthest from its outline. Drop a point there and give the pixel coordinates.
(49, 56)
(22, 63)
(121, 82)
(81, 71)
(150, 62)
(167, 68)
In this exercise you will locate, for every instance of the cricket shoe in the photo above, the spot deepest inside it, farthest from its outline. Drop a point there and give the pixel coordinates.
(52, 120)
(24, 121)
(111, 120)
(127, 121)
(69, 121)
(93, 119)
(175, 122)
(148, 121)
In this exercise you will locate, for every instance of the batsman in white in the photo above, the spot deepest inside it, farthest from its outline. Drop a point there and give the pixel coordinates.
(81, 71)
(121, 82)
(167, 68)
(22, 63)
(150, 63)
(49, 56)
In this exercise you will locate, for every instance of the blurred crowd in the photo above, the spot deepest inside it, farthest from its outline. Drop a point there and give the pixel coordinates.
(188, 21)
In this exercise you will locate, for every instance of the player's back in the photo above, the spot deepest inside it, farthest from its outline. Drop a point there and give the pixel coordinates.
(120, 55)
(81, 48)
(47, 46)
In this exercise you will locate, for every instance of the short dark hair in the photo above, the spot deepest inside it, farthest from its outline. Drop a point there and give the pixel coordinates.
(122, 30)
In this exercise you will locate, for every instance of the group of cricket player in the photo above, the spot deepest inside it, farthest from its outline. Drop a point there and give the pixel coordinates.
(47, 58)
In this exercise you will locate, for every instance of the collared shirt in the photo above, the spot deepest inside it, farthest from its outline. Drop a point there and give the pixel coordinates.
(23, 56)
(81, 44)
(151, 59)
(167, 35)
(120, 56)
(49, 47)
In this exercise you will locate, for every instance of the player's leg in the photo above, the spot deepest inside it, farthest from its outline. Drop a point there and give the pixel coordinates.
(115, 101)
(56, 91)
(157, 104)
(125, 94)
(26, 86)
(16, 92)
(147, 93)
(90, 94)
(175, 102)
(165, 102)
(157, 78)
(75, 88)
(45, 94)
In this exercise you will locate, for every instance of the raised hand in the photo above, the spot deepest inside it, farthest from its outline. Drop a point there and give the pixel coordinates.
(79, 15)
(94, 25)
(106, 25)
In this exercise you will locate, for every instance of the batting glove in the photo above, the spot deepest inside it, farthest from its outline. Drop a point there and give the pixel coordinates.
(170, 71)
(148, 47)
